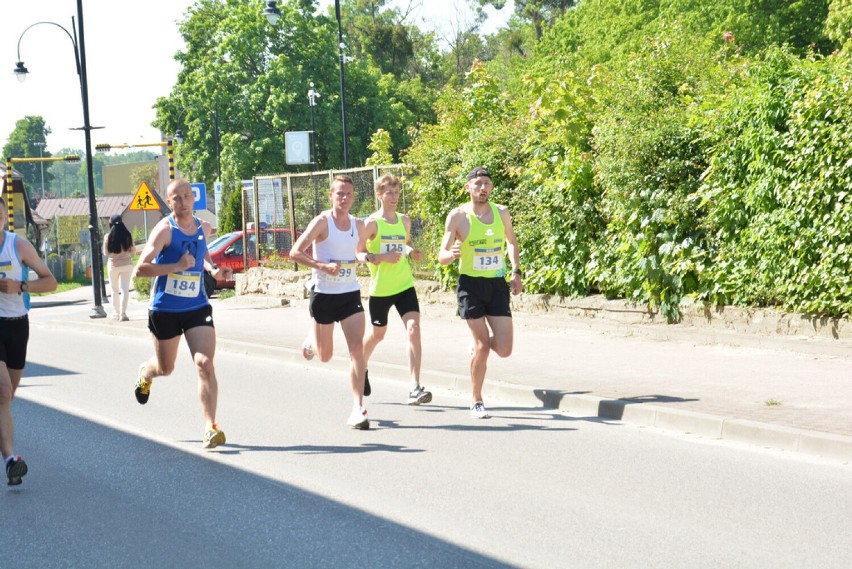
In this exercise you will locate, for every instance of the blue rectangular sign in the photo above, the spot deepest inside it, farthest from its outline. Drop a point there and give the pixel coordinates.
(199, 191)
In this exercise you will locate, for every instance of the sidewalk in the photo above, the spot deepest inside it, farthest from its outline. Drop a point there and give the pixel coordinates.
(785, 393)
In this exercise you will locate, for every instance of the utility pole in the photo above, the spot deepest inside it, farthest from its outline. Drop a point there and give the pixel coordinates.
(41, 146)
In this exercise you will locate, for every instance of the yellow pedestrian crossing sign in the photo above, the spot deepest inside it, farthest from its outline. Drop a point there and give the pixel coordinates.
(144, 199)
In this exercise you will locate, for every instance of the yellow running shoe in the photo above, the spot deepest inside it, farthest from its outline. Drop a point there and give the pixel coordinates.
(213, 437)
(143, 387)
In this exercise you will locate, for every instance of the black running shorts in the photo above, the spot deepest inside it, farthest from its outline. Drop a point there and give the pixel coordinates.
(482, 296)
(167, 325)
(404, 302)
(330, 308)
(14, 337)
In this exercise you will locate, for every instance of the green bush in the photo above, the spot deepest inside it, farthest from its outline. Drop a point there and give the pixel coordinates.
(142, 285)
(779, 188)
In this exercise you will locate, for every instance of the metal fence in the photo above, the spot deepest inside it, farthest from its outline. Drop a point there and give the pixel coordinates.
(282, 205)
(66, 266)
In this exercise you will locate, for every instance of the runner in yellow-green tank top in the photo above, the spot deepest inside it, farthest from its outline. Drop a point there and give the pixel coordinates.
(480, 235)
(387, 279)
(483, 251)
(386, 247)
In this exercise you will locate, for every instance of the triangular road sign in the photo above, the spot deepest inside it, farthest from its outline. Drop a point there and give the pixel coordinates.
(144, 199)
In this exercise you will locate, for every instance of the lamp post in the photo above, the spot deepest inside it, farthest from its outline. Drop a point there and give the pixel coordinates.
(79, 43)
(272, 14)
(312, 101)
(41, 146)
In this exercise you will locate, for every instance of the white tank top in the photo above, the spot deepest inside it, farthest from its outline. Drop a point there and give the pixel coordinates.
(338, 248)
(12, 304)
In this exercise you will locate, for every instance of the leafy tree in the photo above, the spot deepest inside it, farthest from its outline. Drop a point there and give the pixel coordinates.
(257, 76)
(838, 24)
(148, 173)
(21, 144)
(231, 216)
(381, 146)
(379, 34)
(540, 13)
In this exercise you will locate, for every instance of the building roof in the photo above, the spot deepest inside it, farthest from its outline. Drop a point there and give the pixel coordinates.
(106, 205)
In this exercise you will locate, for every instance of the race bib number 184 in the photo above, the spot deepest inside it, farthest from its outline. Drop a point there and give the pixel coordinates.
(186, 284)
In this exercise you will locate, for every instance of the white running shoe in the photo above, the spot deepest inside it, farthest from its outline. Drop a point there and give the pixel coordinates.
(418, 395)
(358, 419)
(308, 351)
(477, 411)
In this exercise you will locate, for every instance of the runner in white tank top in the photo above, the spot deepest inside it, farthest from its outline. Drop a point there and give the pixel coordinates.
(17, 258)
(335, 291)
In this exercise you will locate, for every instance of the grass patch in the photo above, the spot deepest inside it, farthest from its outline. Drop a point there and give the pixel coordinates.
(64, 286)
(225, 293)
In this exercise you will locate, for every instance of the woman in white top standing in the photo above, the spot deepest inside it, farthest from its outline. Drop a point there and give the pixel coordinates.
(118, 248)
(17, 258)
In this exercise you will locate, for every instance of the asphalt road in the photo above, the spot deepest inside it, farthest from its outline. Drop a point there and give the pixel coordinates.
(115, 484)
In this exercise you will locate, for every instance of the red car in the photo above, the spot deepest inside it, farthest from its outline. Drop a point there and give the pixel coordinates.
(227, 250)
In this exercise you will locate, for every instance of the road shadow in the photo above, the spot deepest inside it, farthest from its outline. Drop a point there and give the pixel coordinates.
(41, 370)
(494, 424)
(89, 479)
(228, 448)
(614, 408)
(607, 408)
(36, 303)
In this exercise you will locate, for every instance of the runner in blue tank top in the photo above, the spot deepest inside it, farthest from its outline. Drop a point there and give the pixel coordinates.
(176, 255)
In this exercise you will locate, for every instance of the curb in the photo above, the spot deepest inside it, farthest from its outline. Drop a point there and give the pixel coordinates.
(714, 427)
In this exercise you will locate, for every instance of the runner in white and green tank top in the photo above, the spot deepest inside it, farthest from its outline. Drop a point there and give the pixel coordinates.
(386, 248)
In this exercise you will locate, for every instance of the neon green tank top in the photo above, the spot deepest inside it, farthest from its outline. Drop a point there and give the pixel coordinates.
(387, 279)
(483, 252)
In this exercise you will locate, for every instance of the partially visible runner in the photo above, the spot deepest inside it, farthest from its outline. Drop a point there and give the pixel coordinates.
(176, 254)
(480, 234)
(335, 291)
(386, 246)
(17, 257)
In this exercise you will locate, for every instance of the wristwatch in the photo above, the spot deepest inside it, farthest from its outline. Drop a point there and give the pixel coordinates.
(24, 288)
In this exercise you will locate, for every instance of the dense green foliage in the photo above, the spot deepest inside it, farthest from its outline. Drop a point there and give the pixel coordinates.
(667, 150)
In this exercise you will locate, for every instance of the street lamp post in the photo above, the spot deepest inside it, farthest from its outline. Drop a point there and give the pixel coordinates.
(41, 146)
(79, 43)
(272, 14)
(312, 101)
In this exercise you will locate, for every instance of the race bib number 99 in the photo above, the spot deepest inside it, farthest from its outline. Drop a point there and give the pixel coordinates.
(346, 274)
(186, 284)
(5, 268)
(488, 259)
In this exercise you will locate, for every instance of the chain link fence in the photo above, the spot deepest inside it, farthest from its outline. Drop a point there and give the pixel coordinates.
(279, 206)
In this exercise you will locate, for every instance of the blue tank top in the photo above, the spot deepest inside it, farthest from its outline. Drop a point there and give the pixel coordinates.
(182, 291)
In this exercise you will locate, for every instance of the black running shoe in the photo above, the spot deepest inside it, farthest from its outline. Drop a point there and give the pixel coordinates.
(15, 469)
(367, 389)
